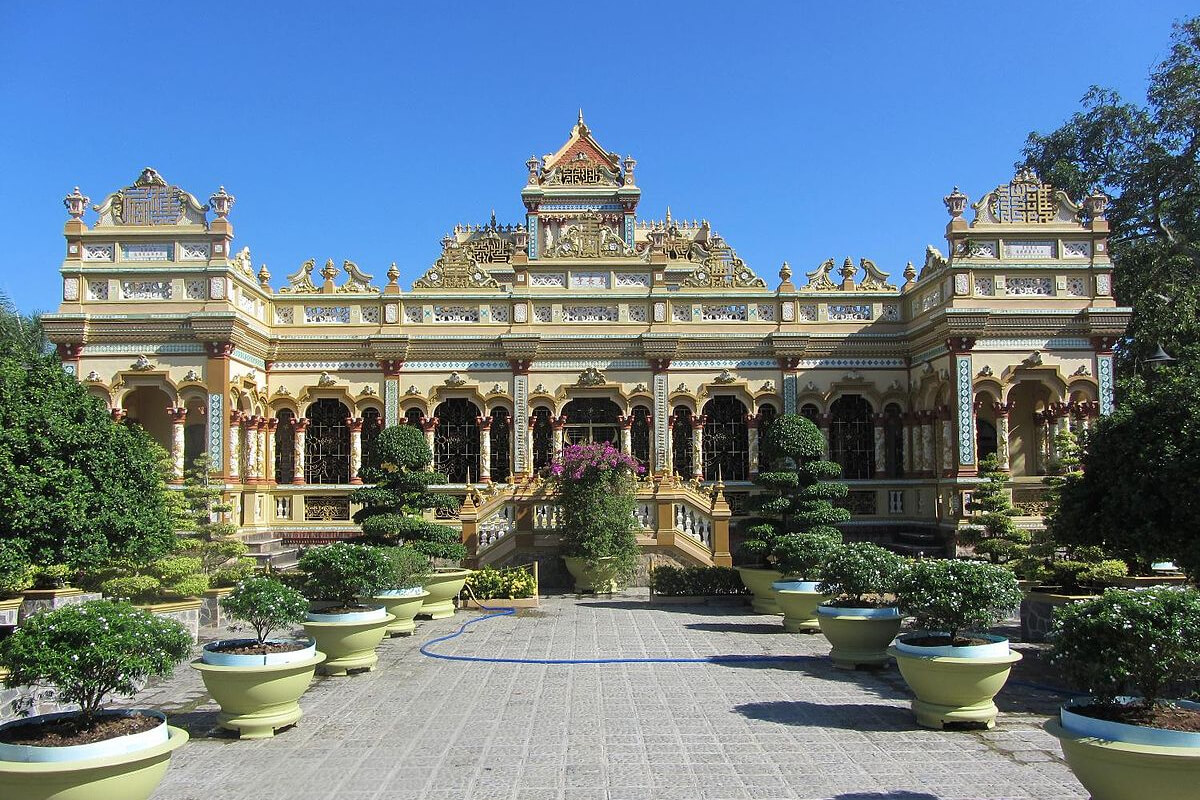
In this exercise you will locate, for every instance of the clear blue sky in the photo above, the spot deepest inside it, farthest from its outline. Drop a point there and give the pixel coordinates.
(366, 130)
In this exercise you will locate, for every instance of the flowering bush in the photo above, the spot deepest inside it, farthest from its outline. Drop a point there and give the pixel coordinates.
(266, 605)
(93, 649)
(596, 490)
(343, 572)
(859, 574)
(1129, 642)
(490, 583)
(952, 596)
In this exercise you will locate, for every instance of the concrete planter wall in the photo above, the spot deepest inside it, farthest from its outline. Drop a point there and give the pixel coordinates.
(211, 615)
(39, 600)
(185, 612)
(1037, 613)
(10, 608)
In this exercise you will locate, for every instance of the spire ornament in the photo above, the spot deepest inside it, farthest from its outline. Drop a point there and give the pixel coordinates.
(956, 203)
(76, 203)
(221, 202)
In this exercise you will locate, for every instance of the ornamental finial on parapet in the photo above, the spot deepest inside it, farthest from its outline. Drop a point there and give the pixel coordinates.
(630, 163)
(956, 203)
(534, 165)
(221, 202)
(785, 272)
(393, 274)
(264, 277)
(1096, 204)
(76, 203)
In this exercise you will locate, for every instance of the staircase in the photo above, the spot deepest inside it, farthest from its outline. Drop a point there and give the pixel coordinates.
(917, 543)
(269, 550)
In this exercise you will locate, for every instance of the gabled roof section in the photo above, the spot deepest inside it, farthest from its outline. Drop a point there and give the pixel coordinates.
(581, 147)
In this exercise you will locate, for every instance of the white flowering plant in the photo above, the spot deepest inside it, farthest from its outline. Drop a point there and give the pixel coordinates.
(860, 575)
(1139, 642)
(266, 605)
(952, 596)
(90, 650)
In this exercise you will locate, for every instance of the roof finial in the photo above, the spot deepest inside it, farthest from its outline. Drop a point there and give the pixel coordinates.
(581, 117)
(668, 219)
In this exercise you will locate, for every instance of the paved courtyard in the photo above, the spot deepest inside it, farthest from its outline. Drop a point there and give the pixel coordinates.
(418, 727)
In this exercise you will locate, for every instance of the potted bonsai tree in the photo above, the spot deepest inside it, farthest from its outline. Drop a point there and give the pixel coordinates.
(406, 593)
(393, 508)
(346, 631)
(89, 651)
(257, 682)
(994, 535)
(860, 619)
(803, 555)
(596, 486)
(1131, 651)
(951, 666)
(796, 502)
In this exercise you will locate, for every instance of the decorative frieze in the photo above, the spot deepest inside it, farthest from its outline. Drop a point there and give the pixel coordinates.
(543, 313)
(843, 313)
(1020, 249)
(146, 290)
(982, 249)
(216, 288)
(766, 312)
(149, 251)
(195, 289)
(1104, 284)
(499, 313)
(660, 311)
(285, 315)
(98, 252)
(194, 251)
(70, 289)
(521, 313)
(327, 315)
(1077, 287)
(637, 313)
(806, 313)
(370, 314)
(890, 312)
(633, 280)
(97, 290)
(455, 313)
(724, 312)
(1077, 249)
(589, 314)
(413, 314)
(589, 280)
(931, 300)
(984, 286)
(548, 280)
(1039, 287)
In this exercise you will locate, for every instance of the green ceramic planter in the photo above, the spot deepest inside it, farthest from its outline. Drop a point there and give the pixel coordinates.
(128, 776)
(348, 646)
(1112, 770)
(599, 579)
(950, 689)
(800, 609)
(759, 581)
(443, 586)
(404, 609)
(257, 701)
(860, 636)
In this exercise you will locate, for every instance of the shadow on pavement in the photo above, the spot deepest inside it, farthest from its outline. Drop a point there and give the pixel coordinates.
(736, 627)
(897, 795)
(847, 716)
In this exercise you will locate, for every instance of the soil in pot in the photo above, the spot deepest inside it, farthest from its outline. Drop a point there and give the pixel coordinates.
(1172, 718)
(946, 641)
(256, 649)
(70, 731)
(354, 609)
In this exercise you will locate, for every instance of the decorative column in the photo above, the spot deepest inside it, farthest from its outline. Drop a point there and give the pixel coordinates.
(391, 391)
(910, 444)
(269, 448)
(216, 377)
(429, 425)
(249, 441)
(752, 423)
(662, 413)
(485, 448)
(880, 448)
(298, 430)
(948, 441)
(528, 439)
(1002, 410)
(825, 423)
(964, 405)
(260, 454)
(1103, 345)
(523, 444)
(178, 418)
(626, 422)
(788, 366)
(235, 444)
(928, 457)
(356, 425)
(560, 433)
(698, 446)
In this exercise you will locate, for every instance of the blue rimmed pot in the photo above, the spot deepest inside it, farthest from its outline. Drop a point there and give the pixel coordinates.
(1117, 761)
(443, 585)
(798, 600)
(403, 604)
(121, 768)
(348, 640)
(954, 684)
(258, 694)
(859, 636)
(759, 581)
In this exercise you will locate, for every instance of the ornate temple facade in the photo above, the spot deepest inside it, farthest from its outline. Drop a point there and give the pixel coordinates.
(586, 322)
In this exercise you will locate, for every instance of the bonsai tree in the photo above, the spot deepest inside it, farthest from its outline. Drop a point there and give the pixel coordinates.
(394, 506)
(949, 596)
(90, 650)
(343, 572)
(16, 573)
(266, 605)
(167, 578)
(797, 531)
(860, 575)
(409, 566)
(1130, 642)
(995, 536)
(596, 486)
(205, 535)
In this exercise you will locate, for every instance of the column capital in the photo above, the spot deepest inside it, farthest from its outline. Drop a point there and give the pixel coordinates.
(221, 350)
(879, 419)
(429, 424)
(626, 422)
(484, 423)
(558, 422)
(235, 417)
(178, 415)
(753, 421)
(789, 363)
(69, 351)
(660, 365)
(1002, 409)
(355, 424)
(960, 345)
(698, 421)
(520, 366)
(300, 424)
(391, 366)
(1103, 345)
(272, 424)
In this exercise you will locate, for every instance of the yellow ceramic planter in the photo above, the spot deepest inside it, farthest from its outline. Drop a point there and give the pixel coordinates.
(443, 586)
(950, 689)
(759, 581)
(348, 646)
(800, 609)
(129, 776)
(257, 701)
(859, 636)
(404, 609)
(1112, 770)
(598, 579)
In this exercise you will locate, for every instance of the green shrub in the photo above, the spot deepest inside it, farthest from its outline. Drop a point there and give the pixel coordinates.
(410, 567)
(16, 573)
(672, 581)
(235, 573)
(343, 572)
(140, 589)
(490, 583)
(93, 649)
(1140, 642)
(804, 554)
(952, 596)
(191, 586)
(52, 576)
(860, 575)
(995, 536)
(1080, 577)
(266, 605)
(596, 486)
(173, 569)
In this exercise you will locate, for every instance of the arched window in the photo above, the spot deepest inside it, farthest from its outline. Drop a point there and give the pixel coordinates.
(414, 416)
(285, 446)
(852, 436)
(766, 417)
(501, 436)
(543, 438)
(893, 440)
(591, 419)
(195, 432)
(372, 425)
(812, 412)
(639, 435)
(985, 438)
(327, 443)
(681, 441)
(726, 440)
(456, 441)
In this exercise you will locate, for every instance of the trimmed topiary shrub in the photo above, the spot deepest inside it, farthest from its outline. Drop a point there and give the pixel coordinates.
(266, 605)
(672, 581)
(139, 589)
(860, 575)
(343, 572)
(951, 596)
(995, 536)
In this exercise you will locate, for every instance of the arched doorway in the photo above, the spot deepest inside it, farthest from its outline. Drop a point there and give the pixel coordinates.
(852, 436)
(327, 443)
(681, 441)
(147, 407)
(592, 419)
(456, 440)
(543, 438)
(639, 435)
(285, 446)
(726, 442)
(501, 438)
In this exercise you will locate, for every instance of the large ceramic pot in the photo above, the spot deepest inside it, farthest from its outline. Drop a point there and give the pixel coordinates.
(403, 604)
(954, 684)
(1115, 761)
(348, 640)
(443, 586)
(259, 694)
(599, 579)
(123, 768)
(759, 582)
(799, 600)
(860, 636)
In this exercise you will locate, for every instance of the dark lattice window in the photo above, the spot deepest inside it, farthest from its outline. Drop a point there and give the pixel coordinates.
(893, 440)
(766, 417)
(726, 440)
(194, 441)
(639, 435)
(501, 436)
(414, 416)
(681, 441)
(543, 438)
(372, 425)
(456, 441)
(591, 419)
(285, 446)
(327, 443)
(852, 436)
(985, 438)
(812, 412)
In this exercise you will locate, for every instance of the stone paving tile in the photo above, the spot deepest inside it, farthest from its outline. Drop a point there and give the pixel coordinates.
(424, 729)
